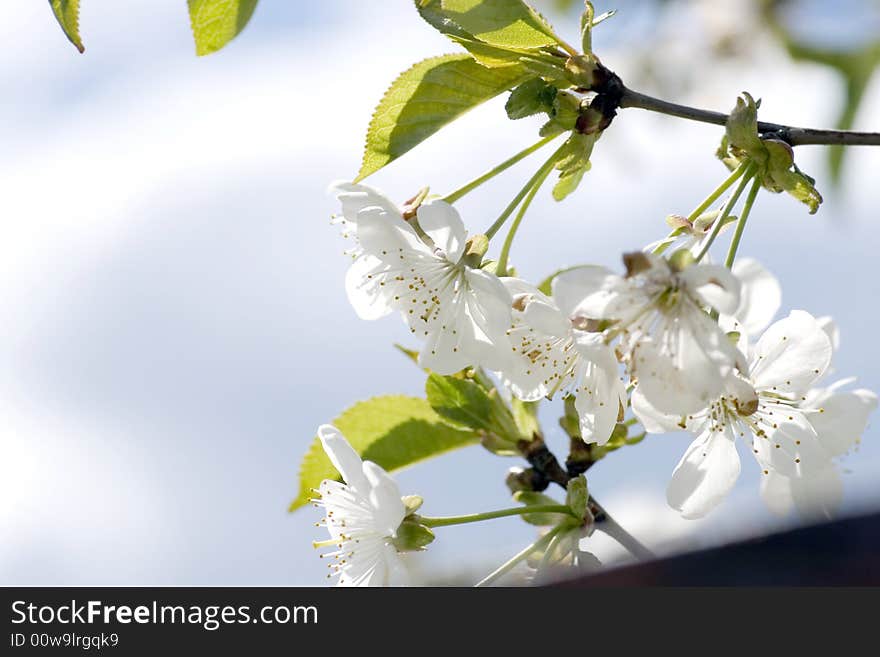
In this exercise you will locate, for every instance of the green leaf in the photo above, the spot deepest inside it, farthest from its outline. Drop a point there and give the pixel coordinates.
(574, 162)
(216, 22)
(393, 431)
(67, 14)
(525, 414)
(462, 403)
(423, 99)
(531, 97)
(497, 22)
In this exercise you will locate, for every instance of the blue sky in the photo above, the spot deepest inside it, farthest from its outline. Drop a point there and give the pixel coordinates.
(175, 323)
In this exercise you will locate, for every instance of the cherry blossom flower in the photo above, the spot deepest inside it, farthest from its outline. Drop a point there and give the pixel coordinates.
(419, 268)
(362, 515)
(556, 353)
(673, 348)
(764, 408)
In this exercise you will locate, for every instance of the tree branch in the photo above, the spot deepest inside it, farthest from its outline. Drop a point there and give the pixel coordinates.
(792, 135)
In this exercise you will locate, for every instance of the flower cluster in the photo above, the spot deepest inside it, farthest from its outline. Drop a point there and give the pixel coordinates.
(674, 343)
(670, 337)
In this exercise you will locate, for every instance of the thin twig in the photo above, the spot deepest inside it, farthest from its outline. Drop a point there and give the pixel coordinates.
(793, 135)
(608, 525)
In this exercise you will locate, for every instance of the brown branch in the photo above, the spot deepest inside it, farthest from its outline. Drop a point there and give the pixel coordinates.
(793, 135)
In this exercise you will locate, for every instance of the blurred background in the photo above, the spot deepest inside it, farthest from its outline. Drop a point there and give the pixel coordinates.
(174, 320)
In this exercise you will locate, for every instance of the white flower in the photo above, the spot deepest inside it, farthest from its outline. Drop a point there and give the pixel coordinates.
(460, 312)
(671, 345)
(555, 353)
(765, 409)
(839, 418)
(362, 516)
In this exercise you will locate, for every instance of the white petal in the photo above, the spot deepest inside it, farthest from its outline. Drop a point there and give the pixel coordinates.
(776, 493)
(389, 238)
(442, 351)
(544, 316)
(356, 197)
(705, 474)
(789, 444)
(600, 392)
(442, 223)
(575, 286)
(791, 355)
(369, 299)
(343, 457)
(396, 571)
(684, 369)
(487, 316)
(517, 287)
(831, 329)
(713, 285)
(843, 418)
(535, 308)
(385, 498)
(653, 420)
(760, 295)
(818, 496)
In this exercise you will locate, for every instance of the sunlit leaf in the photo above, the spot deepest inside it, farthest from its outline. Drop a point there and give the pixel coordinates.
(67, 14)
(497, 22)
(393, 431)
(428, 96)
(216, 22)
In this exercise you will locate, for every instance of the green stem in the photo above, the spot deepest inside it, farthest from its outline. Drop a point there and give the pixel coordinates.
(702, 207)
(748, 172)
(489, 515)
(501, 268)
(472, 185)
(540, 174)
(511, 563)
(741, 224)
